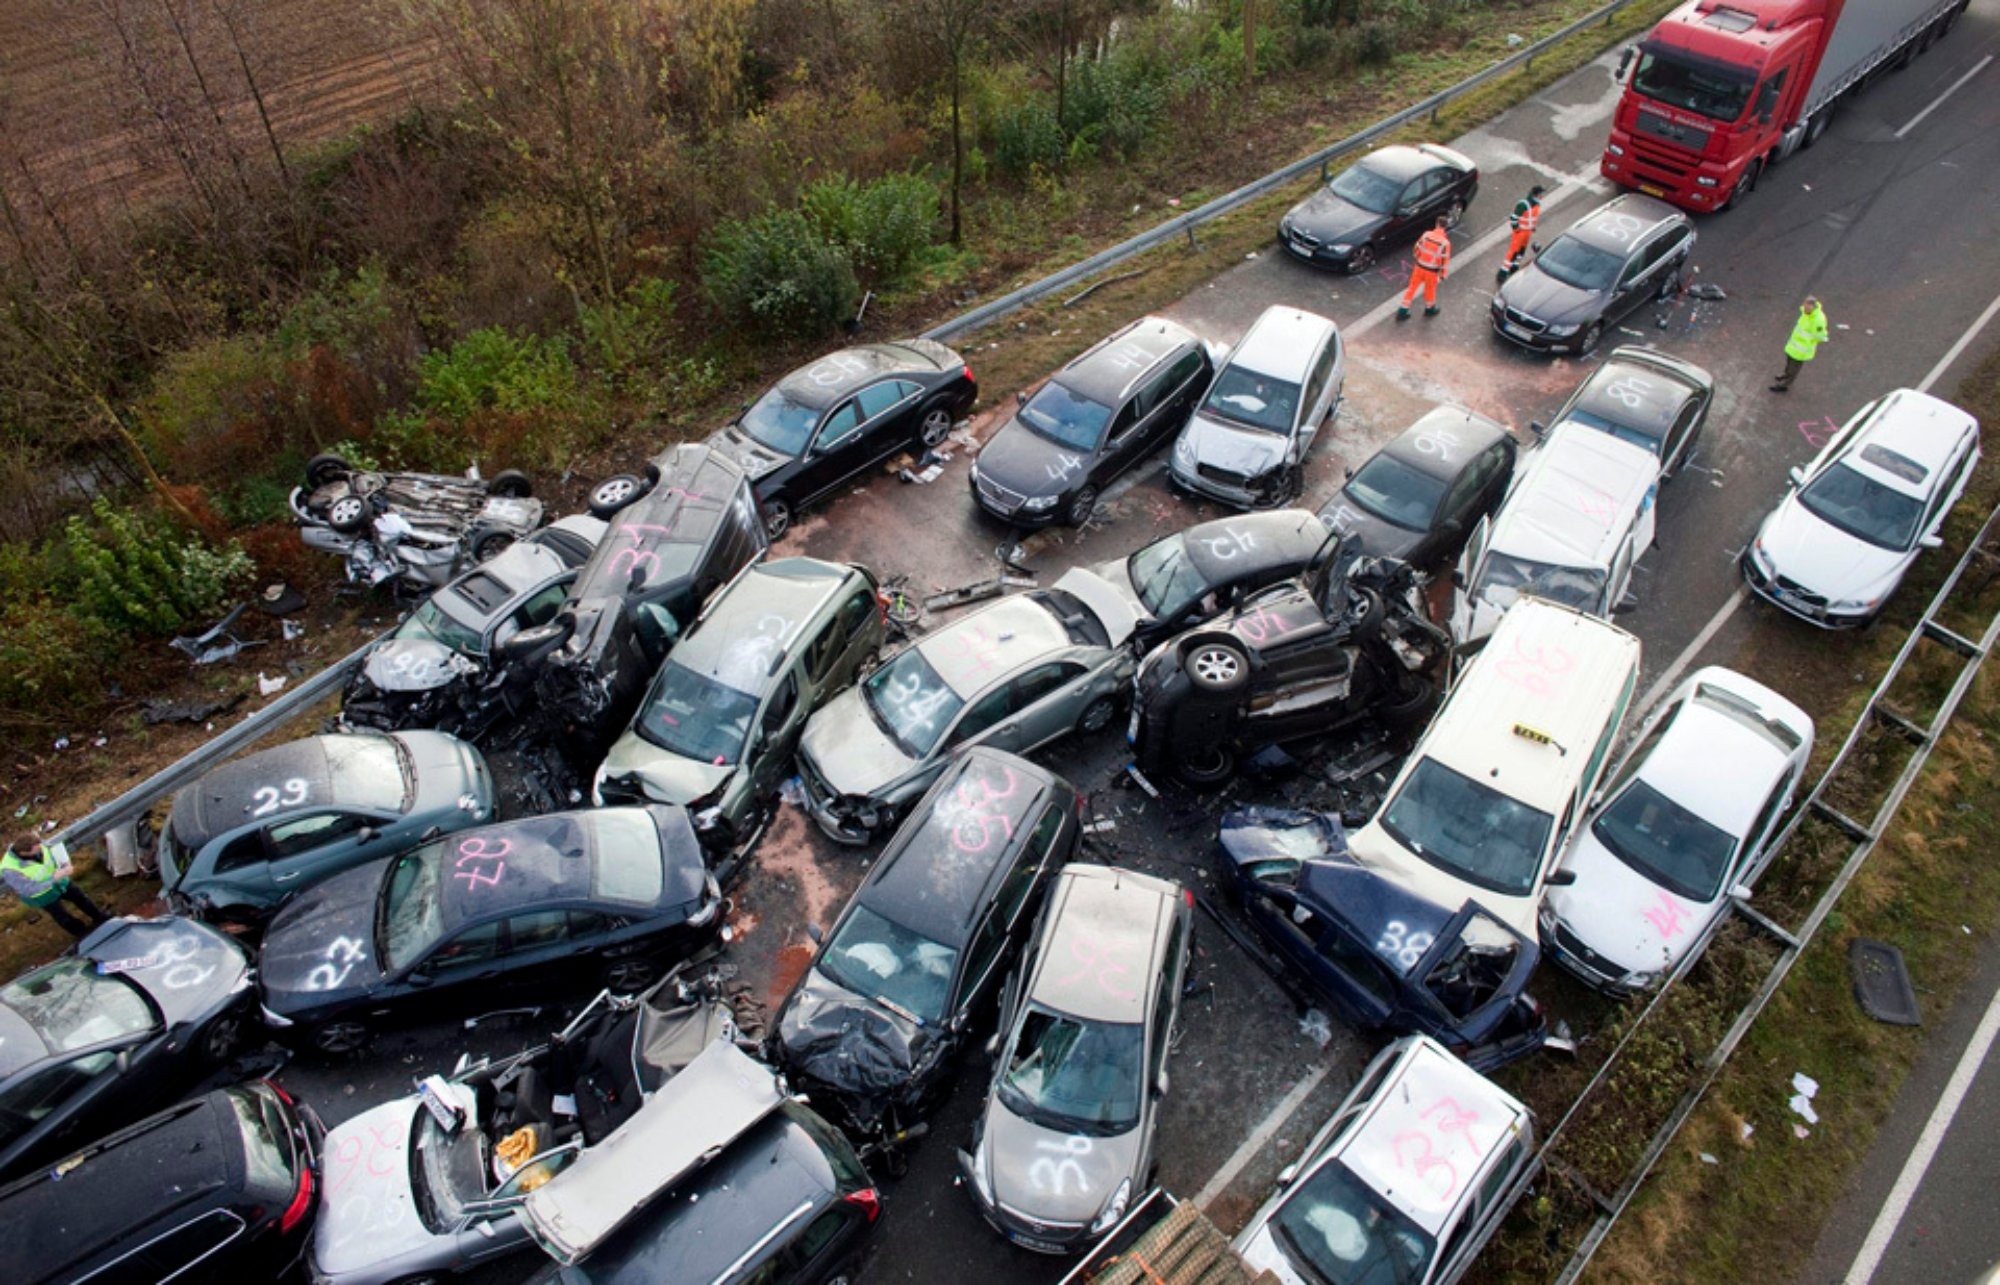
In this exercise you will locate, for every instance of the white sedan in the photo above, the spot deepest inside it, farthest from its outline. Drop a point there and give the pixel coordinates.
(1855, 519)
(1685, 823)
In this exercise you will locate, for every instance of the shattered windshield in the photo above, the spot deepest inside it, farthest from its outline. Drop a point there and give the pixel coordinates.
(1164, 578)
(1665, 842)
(1254, 401)
(412, 912)
(1585, 267)
(1068, 1074)
(1396, 493)
(1066, 418)
(696, 717)
(447, 1172)
(1359, 185)
(888, 963)
(1469, 829)
(71, 1006)
(1849, 499)
(430, 621)
(1342, 1232)
(1708, 89)
(911, 703)
(780, 423)
(1506, 578)
(1470, 974)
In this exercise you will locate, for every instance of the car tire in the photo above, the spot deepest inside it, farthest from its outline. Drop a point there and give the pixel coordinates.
(1670, 284)
(347, 513)
(1592, 336)
(1453, 213)
(777, 519)
(630, 975)
(221, 1038)
(321, 469)
(1361, 260)
(1744, 185)
(1216, 665)
(1410, 704)
(1206, 766)
(614, 493)
(511, 483)
(935, 425)
(491, 545)
(1081, 507)
(1096, 716)
(340, 1039)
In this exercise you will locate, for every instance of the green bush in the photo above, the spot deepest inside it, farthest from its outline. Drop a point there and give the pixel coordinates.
(1376, 43)
(137, 575)
(1122, 100)
(498, 370)
(51, 660)
(1027, 134)
(776, 275)
(883, 225)
(348, 314)
(625, 341)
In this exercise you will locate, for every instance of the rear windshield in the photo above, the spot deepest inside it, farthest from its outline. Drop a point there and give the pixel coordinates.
(267, 1143)
(1469, 829)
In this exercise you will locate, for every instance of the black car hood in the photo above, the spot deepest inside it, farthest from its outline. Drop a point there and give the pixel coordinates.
(755, 458)
(1363, 535)
(191, 971)
(1251, 452)
(1548, 300)
(1333, 219)
(1022, 460)
(320, 947)
(840, 1039)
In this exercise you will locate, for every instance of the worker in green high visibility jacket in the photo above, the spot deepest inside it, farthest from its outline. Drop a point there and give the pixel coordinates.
(1808, 333)
(39, 874)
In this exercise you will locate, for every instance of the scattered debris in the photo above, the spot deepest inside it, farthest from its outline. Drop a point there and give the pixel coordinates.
(1515, 40)
(931, 474)
(1132, 770)
(1805, 1089)
(1315, 1027)
(1101, 827)
(1743, 1134)
(1708, 1159)
(62, 743)
(976, 592)
(1707, 290)
(280, 599)
(218, 641)
(293, 630)
(153, 712)
(792, 791)
(1882, 984)
(270, 686)
(1094, 288)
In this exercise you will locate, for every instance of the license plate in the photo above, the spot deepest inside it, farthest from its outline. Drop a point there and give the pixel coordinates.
(1650, 190)
(1039, 1246)
(1514, 330)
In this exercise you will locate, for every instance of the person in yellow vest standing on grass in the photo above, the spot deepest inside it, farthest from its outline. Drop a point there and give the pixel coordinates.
(39, 874)
(1433, 261)
(1808, 333)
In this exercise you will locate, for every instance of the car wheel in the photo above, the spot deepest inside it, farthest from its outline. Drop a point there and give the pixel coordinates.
(630, 976)
(511, 483)
(1081, 507)
(777, 519)
(1453, 213)
(221, 1039)
(490, 546)
(1361, 260)
(1096, 716)
(340, 1039)
(1744, 185)
(348, 513)
(321, 469)
(1205, 765)
(1670, 285)
(614, 493)
(1216, 665)
(1410, 705)
(936, 425)
(1590, 338)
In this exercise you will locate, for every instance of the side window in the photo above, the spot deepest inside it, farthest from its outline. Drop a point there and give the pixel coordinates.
(1122, 422)
(1043, 841)
(1359, 965)
(1496, 1182)
(1163, 1003)
(1322, 372)
(985, 951)
(985, 712)
(1610, 734)
(538, 610)
(1467, 487)
(588, 923)
(537, 929)
(815, 1240)
(1040, 681)
(826, 647)
(1642, 257)
(1767, 816)
(311, 832)
(29, 1101)
(880, 397)
(783, 702)
(854, 613)
(839, 426)
(243, 851)
(1944, 494)
(1416, 192)
(475, 945)
(1636, 757)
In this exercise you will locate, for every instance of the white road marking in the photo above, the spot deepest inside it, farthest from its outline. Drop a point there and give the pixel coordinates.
(1664, 682)
(1260, 1135)
(1907, 1182)
(1918, 119)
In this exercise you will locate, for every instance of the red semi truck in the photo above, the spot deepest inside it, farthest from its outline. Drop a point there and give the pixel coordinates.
(1721, 90)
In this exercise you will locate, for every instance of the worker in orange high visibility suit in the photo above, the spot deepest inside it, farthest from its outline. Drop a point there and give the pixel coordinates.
(1526, 214)
(1433, 260)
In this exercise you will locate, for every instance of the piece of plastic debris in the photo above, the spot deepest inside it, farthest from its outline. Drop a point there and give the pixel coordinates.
(1868, 332)
(1747, 1130)
(1806, 186)
(793, 791)
(1132, 770)
(1174, 202)
(101, 742)
(1841, 325)
(270, 686)
(1515, 40)
(1708, 1159)
(1803, 1083)
(1800, 1132)
(1707, 290)
(1251, 255)
(1316, 1027)
(1802, 1107)
(62, 743)
(293, 630)
(1100, 827)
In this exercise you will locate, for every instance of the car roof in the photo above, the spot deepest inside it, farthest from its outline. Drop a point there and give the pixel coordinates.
(1282, 343)
(773, 600)
(1114, 918)
(1604, 228)
(1646, 404)
(1245, 544)
(1531, 741)
(1914, 429)
(346, 768)
(1462, 1116)
(1580, 493)
(1462, 435)
(993, 642)
(825, 381)
(929, 881)
(1717, 759)
(1400, 162)
(1112, 366)
(556, 859)
(672, 524)
(493, 586)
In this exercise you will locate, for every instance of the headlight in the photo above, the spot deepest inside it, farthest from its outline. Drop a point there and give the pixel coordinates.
(1563, 332)
(1113, 1211)
(1854, 604)
(1184, 451)
(1341, 248)
(1614, 149)
(1639, 981)
(1703, 180)
(1285, 225)
(1039, 503)
(1761, 558)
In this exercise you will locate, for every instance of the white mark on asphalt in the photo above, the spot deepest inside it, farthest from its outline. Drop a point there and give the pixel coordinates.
(1260, 1135)
(1568, 121)
(1953, 88)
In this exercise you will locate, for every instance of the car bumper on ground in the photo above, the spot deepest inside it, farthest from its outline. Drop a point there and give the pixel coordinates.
(1796, 600)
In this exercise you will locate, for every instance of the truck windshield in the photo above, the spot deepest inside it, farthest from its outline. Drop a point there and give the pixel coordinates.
(1714, 90)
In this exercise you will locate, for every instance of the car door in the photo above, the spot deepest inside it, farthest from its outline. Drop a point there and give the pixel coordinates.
(308, 846)
(539, 609)
(1681, 433)
(838, 451)
(887, 415)
(985, 721)
(1461, 502)
(1046, 701)
(1750, 858)
(778, 729)
(1635, 280)
(1406, 220)
(468, 959)
(1471, 562)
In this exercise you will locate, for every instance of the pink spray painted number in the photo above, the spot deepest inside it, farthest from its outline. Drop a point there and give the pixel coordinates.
(479, 861)
(1089, 954)
(1426, 1152)
(1818, 432)
(1535, 669)
(976, 821)
(1667, 917)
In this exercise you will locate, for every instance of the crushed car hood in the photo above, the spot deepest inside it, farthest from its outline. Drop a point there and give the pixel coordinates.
(1622, 915)
(321, 945)
(1825, 560)
(1022, 460)
(188, 968)
(1252, 452)
(848, 1043)
(415, 665)
(1334, 220)
(1051, 1175)
(663, 777)
(367, 1212)
(753, 457)
(1548, 300)
(1117, 612)
(851, 753)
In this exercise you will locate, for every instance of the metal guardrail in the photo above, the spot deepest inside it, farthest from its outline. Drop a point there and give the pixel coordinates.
(1185, 224)
(1876, 713)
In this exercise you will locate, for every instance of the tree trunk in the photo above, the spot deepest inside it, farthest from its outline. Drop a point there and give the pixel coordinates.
(1250, 39)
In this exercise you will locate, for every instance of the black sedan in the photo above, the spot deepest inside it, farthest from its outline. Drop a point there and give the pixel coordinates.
(1628, 251)
(1645, 397)
(1417, 497)
(1095, 418)
(824, 423)
(1387, 197)
(485, 918)
(142, 1012)
(1382, 958)
(891, 995)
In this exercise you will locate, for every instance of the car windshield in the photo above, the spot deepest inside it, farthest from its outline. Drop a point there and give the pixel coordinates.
(1469, 829)
(696, 717)
(1706, 89)
(911, 703)
(1072, 1075)
(430, 621)
(267, 1144)
(1623, 432)
(447, 1171)
(1507, 578)
(1847, 498)
(1359, 185)
(1396, 492)
(1066, 418)
(1164, 578)
(72, 1007)
(1252, 400)
(902, 970)
(1665, 842)
(780, 423)
(412, 912)
(1346, 1234)
(1586, 267)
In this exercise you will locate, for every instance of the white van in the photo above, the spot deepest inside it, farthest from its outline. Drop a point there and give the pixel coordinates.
(1579, 516)
(1488, 800)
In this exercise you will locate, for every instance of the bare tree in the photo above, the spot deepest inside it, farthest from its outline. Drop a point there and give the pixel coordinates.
(952, 31)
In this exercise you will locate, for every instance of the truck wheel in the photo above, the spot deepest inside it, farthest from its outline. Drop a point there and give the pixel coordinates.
(1816, 126)
(1744, 185)
(1216, 665)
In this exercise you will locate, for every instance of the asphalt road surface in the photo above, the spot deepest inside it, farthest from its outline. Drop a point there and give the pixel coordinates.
(1893, 228)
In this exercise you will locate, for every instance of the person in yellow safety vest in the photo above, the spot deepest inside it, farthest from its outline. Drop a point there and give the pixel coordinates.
(1526, 214)
(1808, 333)
(39, 874)
(1433, 261)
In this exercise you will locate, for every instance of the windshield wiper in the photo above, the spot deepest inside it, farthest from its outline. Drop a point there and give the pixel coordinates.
(897, 1009)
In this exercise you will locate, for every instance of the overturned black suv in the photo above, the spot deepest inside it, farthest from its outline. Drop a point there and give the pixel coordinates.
(1303, 658)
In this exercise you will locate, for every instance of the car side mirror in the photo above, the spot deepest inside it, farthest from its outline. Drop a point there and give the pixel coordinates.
(1624, 63)
(1021, 398)
(1932, 542)
(1452, 526)
(1562, 879)
(1348, 475)
(1405, 211)
(526, 644)
(1739, 892)
(367, 834)
(1160, 1084)
(1288, 1175)
(1798, 476)
(813, 931)
(417, 978)
(1539, 429)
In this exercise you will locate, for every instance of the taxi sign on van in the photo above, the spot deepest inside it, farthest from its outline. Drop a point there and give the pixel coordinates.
(1527, 733)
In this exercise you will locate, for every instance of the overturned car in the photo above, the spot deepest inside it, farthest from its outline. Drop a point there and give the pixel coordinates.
(417, 528)
(1383, 958)
(1300, 659)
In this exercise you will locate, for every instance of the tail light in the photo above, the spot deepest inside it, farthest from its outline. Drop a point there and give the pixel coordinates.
(301, 1201)
(283, 1096)
(968, 374)
(1187, 895)
(867, 1201)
